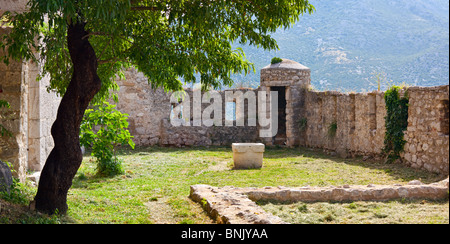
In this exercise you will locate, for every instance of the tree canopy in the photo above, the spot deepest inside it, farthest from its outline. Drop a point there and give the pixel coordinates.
(83, 44)
(168, 40)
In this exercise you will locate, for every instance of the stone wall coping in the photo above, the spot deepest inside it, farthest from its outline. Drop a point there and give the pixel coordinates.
(443, 88)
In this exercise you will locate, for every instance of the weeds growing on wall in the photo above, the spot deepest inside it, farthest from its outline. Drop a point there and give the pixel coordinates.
(332, 129)
(396, 122)
(3, 130)
(302, 125)
(276, 60)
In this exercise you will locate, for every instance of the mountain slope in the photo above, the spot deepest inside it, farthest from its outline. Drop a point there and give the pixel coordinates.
(347, 42)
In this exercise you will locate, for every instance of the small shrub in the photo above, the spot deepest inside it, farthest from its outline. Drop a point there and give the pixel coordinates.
(303, 208)
(352, 205)
(276, 60)
(104, 129)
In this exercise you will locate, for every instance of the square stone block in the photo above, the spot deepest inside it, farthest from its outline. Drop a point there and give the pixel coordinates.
(248, 155)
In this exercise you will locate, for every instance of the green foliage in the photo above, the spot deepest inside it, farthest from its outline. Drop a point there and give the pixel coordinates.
(18, 192)
(169, 40)
(103, 129)
(332, 129)
(3, 130)
(276, 60)
(4, 103)
(396, 122)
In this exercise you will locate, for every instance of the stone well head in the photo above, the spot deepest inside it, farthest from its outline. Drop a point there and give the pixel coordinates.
(286, 73)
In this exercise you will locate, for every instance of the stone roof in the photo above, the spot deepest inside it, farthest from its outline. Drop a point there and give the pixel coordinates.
(287, 64)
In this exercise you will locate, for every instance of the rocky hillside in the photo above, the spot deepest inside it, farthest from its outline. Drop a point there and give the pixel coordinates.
(347, 43)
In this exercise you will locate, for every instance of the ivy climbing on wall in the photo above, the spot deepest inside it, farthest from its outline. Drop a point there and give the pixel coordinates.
(396, 122)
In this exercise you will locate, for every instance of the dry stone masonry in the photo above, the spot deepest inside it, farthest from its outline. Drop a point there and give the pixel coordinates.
(232, 205)
(427, 136)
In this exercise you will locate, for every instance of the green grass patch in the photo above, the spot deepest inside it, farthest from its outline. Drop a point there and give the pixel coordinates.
(156, 184)
(391, 212)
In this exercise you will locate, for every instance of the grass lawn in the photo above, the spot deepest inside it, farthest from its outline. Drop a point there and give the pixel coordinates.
(155, 187)
(391, 212)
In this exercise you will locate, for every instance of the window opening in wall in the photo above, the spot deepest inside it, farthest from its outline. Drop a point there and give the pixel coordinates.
(280, 138)
(172, 113)
(230, 111)
(372, 112)
(445, 117)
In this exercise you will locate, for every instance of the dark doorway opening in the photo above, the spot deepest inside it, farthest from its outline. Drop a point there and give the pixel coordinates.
(280, 138)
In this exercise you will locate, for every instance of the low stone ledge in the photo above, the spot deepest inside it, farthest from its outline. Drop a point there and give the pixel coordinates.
(227, 206)
(232, 205)
(351, 193)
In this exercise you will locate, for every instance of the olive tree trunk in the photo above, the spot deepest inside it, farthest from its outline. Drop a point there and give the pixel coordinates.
(64, 160)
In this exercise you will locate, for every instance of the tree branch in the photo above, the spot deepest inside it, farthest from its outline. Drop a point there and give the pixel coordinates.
(98, 33)
(142, 8)
(135, 6)
(111, 60)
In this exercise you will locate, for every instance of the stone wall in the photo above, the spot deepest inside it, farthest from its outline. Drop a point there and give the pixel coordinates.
(427, 135)
(349, 124)
(145, 106)
(14, 89)
(32, 113)
(223, 132)
(150, 110)
(361, 125)
(357, 118)
(42, 109)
